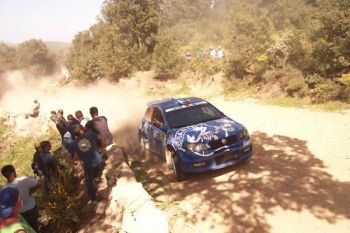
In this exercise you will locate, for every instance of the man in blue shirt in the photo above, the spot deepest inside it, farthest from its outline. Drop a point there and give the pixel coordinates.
(88, 146)
(50, 164)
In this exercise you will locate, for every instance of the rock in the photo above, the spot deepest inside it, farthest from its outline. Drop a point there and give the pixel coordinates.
(149, 219)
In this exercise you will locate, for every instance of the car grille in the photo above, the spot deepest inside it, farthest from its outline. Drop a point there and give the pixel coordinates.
(226, 158)
(232, 156)
(215, 144)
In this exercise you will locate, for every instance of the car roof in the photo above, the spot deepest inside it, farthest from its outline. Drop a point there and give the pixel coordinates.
(169, 103)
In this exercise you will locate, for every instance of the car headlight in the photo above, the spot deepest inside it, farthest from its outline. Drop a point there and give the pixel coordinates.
(197, 147)
(243, 134)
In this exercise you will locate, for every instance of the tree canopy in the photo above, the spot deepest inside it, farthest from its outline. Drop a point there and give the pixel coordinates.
(304, 44)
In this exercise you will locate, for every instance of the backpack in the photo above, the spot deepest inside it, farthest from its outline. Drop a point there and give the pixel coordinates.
(37, 164)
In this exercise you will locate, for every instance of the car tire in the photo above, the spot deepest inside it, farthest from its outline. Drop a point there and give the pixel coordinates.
(179, 174)
(168, 160)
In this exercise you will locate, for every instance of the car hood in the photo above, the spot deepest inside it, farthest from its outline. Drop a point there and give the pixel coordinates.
(205, 132)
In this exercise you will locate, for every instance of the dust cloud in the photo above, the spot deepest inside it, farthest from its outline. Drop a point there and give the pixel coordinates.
(121, 103)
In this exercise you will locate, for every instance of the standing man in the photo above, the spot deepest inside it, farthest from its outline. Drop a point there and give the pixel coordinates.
(61, 123)
(26, 185)
(83, 120)
(50, 164)
(99, 125)
(86, 146)
(37, 165)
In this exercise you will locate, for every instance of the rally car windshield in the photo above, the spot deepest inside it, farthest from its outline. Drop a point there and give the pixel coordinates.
(193, 115)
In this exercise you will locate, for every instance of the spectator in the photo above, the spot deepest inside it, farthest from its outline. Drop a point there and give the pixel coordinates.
(86, 147)
(49, 163)
(10, 207)
(53, 117)
(220, 53)
(34, 111)
(188, 56)
(99, 125)
(83, 120)
(69, 136)
(212, 53)
(61, 123)
(26, 185)
(71, 122)
(37, 165)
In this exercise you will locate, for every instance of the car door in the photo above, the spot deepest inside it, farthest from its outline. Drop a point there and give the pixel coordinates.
(145, 126)
(157, 135)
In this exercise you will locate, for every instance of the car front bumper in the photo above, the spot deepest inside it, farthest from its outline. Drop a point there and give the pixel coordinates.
(221, 159)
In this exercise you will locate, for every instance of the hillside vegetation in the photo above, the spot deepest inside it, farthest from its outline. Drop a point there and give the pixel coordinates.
(300, 48)
(33, 56)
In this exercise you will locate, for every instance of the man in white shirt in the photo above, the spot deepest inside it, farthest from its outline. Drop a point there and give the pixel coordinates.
(81, 118)
(26, 185)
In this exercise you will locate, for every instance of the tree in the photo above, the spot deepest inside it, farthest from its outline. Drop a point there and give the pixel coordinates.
(34, 55)
(331, 51)
(82, 58)
(167, 62)
(7, 57)
(136, 21)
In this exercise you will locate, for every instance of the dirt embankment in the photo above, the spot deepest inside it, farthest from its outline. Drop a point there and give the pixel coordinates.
(297, 181)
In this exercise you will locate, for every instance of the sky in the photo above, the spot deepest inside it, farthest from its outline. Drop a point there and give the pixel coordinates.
(49, 20)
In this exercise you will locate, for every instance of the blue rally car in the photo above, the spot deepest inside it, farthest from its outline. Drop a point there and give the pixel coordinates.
(193, 136)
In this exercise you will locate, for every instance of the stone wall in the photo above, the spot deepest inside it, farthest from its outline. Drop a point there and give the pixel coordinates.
(125, 206)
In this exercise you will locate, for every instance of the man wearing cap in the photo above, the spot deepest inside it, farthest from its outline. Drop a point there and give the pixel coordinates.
(25, 185)
(10, 207)
(86, 146)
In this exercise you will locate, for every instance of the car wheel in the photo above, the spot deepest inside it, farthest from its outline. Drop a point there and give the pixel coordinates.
(179, 174)
(168, 160)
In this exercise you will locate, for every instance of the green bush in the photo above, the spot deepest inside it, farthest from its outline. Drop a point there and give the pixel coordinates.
(297, 87)
(167, 62)
(290, 80)
(7, 57)
(326, 91)
(60, 208)
(34, 56)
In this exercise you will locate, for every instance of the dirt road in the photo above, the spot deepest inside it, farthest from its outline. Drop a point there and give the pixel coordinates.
(297, 181)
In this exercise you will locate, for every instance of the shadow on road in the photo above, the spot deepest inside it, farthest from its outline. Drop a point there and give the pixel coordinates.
(282, 173)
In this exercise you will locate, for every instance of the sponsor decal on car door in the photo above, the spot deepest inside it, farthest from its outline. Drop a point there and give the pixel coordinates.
(157, 135)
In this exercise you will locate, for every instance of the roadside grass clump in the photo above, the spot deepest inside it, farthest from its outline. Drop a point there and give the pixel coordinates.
(60, 209)
(287, 102)
(332, 106)
(237, 89)
(152, 184)
(155, 186)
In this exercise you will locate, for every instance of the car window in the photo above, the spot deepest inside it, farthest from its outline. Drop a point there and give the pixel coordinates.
(157, 119)
(193, 115)
(208, 111)
(148, 114)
